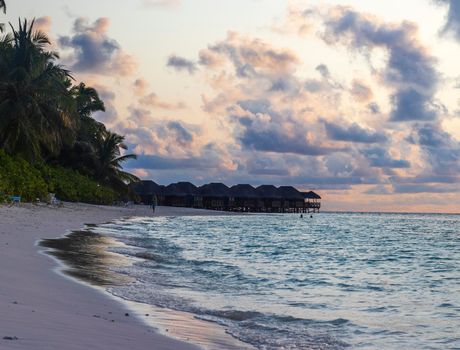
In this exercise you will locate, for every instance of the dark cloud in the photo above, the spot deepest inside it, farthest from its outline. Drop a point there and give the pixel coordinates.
(441, 150)
(437, 179)
(374, 108)
(267, 130)
(424, 188)
(353, 133)
(410, 68)
(261, 166)
(453, 17)
(380, 158)
(324, 70)
(93, 51)
(181, 64)
(155, 162)
(183, 136)
(278, 141)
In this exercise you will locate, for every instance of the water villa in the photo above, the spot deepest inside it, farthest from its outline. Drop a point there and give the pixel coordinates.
(218, 196)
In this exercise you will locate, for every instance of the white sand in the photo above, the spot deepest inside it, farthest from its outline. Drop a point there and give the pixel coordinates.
(45, 310)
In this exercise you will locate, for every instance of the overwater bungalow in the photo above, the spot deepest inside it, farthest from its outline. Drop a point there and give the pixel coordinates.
(244, 197)
(216, 196)
(148, 190)
(182, 194)
(312, 201)
(269, 198)
(293, 200)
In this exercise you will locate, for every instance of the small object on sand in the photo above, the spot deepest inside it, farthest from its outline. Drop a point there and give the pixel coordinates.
(10, 338)
(15, 302)
(311, 216)
(126, 314)
(147, 315)
(301, 216)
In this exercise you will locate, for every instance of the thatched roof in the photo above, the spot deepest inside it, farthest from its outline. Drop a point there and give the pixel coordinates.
(214, 190)
(268, 191)
(311, 195)
(290, 192)
(147, 188)
(244, 191)
(181, 189)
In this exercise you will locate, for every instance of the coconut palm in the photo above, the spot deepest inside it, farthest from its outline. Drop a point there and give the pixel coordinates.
(81, 155)
(109, 161)
(37, 110)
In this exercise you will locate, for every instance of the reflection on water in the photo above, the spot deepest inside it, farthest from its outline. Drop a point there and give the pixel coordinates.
(86, 257)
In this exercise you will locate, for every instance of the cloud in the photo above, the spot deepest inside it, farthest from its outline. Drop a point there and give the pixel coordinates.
(440, 149)
(410, 67)
(380, 158)
(424, 189)
(108, 97)
(181, 64)
(353, 133)
(155, 162)
(360, 91)
(183, 136)
(140, 87)
(262, 128)
(93, 51)
(43, 24)
(162, 3)
(250, 57)
(453, 17)
(152, 100)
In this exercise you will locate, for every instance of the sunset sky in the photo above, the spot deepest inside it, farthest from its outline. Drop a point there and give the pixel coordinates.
(357, 100)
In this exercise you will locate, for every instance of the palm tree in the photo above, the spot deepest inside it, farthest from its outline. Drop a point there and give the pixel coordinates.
(109, 158)
(38, 112)
(81, 156)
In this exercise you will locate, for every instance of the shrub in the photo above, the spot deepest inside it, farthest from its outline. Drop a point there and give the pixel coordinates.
(18, 177)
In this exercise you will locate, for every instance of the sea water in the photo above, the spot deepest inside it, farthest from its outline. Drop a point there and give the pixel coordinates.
(331, 281)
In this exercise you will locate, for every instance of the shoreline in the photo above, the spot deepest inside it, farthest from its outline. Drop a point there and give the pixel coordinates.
(42, 310)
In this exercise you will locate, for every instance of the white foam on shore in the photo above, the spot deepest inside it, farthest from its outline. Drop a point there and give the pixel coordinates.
(44, 310)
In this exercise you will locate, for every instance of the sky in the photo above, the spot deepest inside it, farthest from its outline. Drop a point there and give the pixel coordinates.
(357, 100)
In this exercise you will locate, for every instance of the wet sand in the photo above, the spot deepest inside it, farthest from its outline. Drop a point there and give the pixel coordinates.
(40, 308)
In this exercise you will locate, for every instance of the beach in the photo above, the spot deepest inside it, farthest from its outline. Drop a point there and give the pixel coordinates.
(43, 309)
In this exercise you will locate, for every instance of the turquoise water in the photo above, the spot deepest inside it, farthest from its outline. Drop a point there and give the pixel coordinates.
(334, 281)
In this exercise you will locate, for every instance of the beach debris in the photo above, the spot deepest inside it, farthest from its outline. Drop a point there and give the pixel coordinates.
(126, 314)
(147, 314)
(10, 338)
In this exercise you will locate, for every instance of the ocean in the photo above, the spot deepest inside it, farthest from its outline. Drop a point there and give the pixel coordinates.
(331, 281)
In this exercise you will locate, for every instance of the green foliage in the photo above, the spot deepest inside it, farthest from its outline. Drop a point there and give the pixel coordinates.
(18, 177)
(71, 186)
(49, 141)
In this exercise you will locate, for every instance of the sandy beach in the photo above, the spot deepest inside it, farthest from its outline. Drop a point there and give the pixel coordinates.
(42, 309)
